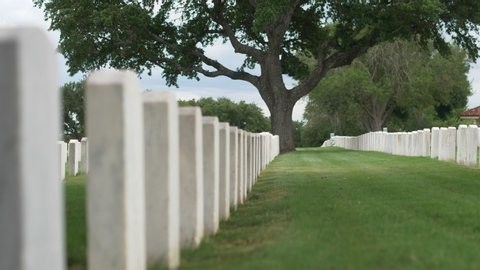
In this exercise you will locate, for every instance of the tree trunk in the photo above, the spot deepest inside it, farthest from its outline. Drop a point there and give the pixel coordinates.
(282, 124)
(376, 124)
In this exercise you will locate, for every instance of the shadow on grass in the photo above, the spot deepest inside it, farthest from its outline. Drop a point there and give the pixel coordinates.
(252, 227)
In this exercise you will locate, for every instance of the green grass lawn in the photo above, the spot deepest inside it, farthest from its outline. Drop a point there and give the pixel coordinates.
(337, 209)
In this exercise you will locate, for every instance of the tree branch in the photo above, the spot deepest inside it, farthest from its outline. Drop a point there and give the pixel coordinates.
(280, 25)
(335, 60)
(221, 70)
(239, 47)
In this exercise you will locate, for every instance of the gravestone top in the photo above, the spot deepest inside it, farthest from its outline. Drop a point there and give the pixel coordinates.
(189, 110)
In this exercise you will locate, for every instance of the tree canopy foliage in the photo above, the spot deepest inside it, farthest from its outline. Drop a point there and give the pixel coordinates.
(395, 85)
(73, 110)
(246, 116)
(271, 35)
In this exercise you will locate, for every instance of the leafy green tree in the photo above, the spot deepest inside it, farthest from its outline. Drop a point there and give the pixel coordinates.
(297, 133)
(446, 79)
(247, 116)
(394, 84)
(173, 35)
(73, 110)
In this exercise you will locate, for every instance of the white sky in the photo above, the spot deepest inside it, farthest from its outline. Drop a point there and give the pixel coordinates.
(23, 13)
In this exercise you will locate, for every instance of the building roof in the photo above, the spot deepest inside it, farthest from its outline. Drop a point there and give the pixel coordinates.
(475, 112)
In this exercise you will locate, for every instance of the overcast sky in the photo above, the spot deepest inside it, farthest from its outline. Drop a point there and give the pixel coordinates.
(22, 13)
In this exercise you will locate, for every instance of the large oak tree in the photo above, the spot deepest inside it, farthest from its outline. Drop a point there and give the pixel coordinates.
(173, 35)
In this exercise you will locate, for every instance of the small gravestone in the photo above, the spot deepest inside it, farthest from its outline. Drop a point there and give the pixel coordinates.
(462, 146)
(73, 160)
(447, 144)
(241, 164)
(62, 151)
(434, 142)
(472, 148)
(84, 156)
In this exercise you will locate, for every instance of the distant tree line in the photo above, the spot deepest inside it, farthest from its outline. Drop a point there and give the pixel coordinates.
(247, 116)
(397, 85)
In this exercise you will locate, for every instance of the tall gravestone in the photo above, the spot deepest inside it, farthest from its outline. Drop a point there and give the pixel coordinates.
(162, 178)
(249, 161)
(255, 156)
(245, 165)
(252, 161)
(191, 177)
(224, 171)
(211, 174)
(31, 200)
(411, 143)
(241, 162)
(115, 186)
(234, 164)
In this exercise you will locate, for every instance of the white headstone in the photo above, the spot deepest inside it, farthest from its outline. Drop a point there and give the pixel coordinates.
(162, 178)
(254, 158)
(31, 197)
(115, 186)
(79, 153)
(73, 161)
(472, 148)
(234, 163)
(241, 165)
(62, 148)
(434, 142)
(84, 156)
(211, 161)
(447, 144)
(224, 170)
(462, 146)
(191, 177)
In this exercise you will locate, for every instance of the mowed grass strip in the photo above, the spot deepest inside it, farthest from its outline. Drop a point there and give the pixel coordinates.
(338, 209)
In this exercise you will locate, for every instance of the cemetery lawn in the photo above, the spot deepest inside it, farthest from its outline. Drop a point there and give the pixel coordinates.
(338, 209)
